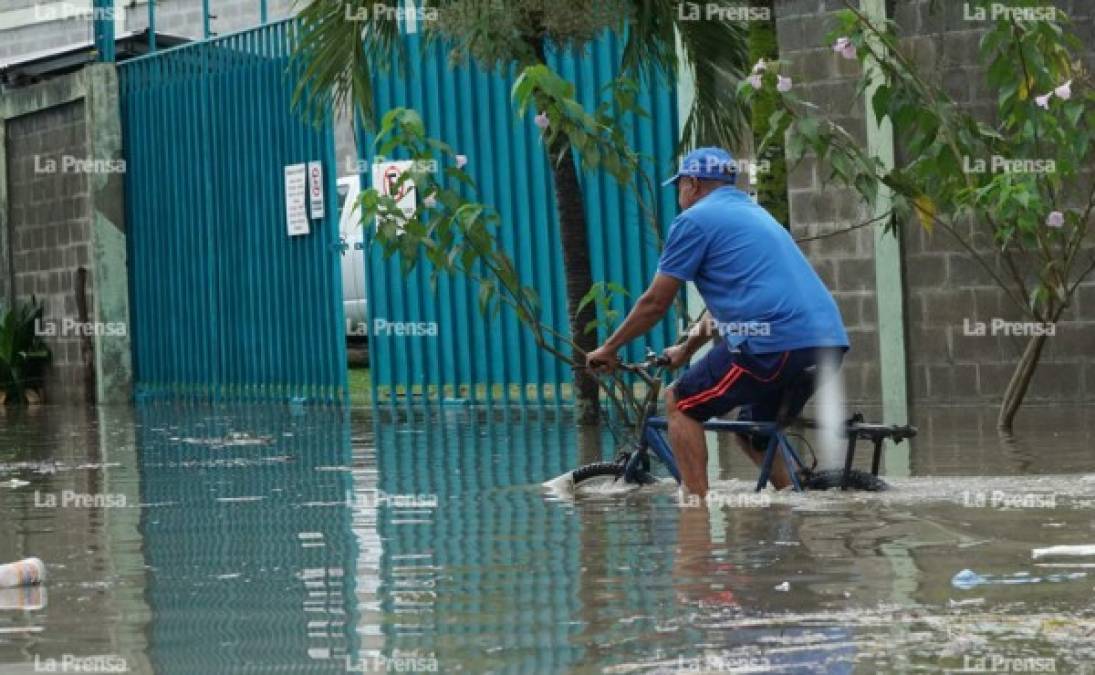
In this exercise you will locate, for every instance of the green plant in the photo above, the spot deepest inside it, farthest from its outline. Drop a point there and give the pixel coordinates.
(23, 354)
(1026, 223)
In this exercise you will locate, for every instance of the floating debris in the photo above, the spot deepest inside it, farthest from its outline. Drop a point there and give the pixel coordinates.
(967, 579)
(1063, 551)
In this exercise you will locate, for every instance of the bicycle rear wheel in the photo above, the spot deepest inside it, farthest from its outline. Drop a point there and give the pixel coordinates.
(831, 479)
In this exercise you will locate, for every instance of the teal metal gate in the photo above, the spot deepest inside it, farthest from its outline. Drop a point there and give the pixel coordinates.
(225, 303)
(451, 350)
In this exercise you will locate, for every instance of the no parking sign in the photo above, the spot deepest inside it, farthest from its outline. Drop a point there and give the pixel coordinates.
(315, 189)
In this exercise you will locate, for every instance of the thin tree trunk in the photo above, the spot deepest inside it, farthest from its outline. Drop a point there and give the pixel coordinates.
(574, 237)
(1020, 382)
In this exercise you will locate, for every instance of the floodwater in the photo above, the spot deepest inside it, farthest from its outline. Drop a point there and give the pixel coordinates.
(186, 539)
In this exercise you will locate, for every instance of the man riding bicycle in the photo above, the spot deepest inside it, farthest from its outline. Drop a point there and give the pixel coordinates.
(771, 312)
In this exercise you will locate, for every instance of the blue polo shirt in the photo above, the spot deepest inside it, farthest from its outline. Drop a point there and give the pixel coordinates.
(752, 276)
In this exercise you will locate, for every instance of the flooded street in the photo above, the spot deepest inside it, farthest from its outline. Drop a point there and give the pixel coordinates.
(263, 539)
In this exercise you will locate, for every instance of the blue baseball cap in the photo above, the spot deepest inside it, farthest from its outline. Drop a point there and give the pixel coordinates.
(707, 164)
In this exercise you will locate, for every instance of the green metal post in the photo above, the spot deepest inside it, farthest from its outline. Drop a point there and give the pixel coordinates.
(151, 25)
(889, 291)
(103, 21)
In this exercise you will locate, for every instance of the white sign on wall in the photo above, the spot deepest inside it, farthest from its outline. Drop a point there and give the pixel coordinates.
(296, 192)
(315, 189)
(386, 181)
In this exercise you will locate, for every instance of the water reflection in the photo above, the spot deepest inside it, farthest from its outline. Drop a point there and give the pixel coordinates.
(266, 539)
(248, 538)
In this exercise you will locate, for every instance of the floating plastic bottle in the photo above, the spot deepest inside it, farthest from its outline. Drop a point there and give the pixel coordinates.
(25, 572)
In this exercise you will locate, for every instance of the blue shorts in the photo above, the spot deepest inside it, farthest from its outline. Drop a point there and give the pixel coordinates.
(723, 380)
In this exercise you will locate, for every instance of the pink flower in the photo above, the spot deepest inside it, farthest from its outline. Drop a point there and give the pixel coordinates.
(1055, 219)
(783, 83)
(1043, 100)
(461, 161)
(848, 52)
(429, 202)
(760, 66)
(841, 43)
(1064, 92)
(542, 120)
(755, 81)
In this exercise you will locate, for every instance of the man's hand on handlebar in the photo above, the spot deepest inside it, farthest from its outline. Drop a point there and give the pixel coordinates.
(602, 359)
(678, 356)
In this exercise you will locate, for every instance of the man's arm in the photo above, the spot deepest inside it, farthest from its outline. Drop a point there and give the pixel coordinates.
(649, 310)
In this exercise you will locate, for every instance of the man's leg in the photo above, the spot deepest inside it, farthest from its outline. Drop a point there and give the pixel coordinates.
(689, 445)
(779, 476)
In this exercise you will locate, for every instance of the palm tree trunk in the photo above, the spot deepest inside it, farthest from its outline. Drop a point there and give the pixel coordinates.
(574, 237)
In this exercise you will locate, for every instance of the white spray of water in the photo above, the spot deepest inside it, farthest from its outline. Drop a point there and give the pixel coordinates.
(831, 415)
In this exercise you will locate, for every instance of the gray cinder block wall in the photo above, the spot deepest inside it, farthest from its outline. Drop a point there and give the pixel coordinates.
(943, 285)
(62, 229)
(49, 230)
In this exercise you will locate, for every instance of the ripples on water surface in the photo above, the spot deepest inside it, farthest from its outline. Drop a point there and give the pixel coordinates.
(258, 540)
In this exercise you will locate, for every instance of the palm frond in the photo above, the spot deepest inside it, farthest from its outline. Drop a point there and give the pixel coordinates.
(339, 44)
(714, 50)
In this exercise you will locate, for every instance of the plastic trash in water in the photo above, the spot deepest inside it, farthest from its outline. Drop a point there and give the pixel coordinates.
(785, 586)
(1070, 551)
(25, 572)
(27, 598)
(967, 579)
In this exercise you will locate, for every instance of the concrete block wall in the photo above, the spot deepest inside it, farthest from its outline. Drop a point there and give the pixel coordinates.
(62, 229)
(49, 233)
(944, 287)
(819, 206)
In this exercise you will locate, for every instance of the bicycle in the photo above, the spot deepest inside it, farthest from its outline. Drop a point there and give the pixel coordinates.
(634, 465)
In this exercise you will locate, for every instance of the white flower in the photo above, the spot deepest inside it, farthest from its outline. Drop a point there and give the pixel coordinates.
(1055, 219)
(1043, 100)
(1064, 91)
(841, 43)
(461, 160)
(429, 202)
(848, 52)
(759, 66)
(755, 81)
(783, 83)
(542, 120)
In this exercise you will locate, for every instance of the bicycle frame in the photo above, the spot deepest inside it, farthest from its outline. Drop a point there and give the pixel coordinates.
(651, 426)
